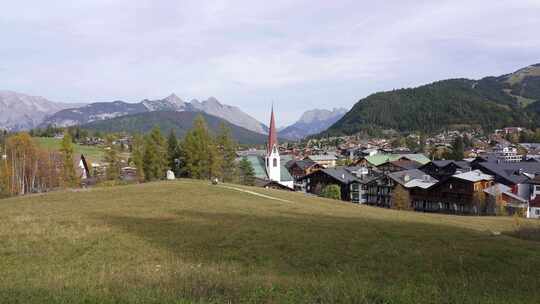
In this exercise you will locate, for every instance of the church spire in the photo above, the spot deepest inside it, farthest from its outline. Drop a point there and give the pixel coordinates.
(272, 134)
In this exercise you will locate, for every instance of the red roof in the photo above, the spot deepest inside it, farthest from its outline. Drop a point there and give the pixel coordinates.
(272, 134)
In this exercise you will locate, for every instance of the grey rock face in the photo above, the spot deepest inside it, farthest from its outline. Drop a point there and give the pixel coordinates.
(312, 122)
(21, 112)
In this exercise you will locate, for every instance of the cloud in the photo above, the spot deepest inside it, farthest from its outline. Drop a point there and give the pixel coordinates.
(300, 54)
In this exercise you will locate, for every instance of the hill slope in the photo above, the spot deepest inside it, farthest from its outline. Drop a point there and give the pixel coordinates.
(181, 122)
(492, 102)
(188, 240)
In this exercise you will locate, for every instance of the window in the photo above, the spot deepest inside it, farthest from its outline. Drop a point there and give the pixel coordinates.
(275, 162)
(537, 211)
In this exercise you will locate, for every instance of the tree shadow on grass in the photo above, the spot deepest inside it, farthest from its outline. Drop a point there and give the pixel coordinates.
(320, 251)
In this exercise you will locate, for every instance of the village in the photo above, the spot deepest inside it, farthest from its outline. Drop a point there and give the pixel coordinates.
(454, 172)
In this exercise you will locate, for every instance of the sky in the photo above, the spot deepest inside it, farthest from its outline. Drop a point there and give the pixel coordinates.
(298, 55)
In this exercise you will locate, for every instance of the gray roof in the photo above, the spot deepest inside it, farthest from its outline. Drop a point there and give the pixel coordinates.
(340, 174)
(460, 163)
(405, 177)
(345, 175)
(511, 172)
(473, 176)
(302, 164)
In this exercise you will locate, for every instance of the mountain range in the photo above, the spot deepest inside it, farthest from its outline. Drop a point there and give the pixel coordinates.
(312, 122)
(491, 102)
(107, 110)
(20, 111)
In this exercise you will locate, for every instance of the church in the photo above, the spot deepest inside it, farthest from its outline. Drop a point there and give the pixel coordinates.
(268, 165)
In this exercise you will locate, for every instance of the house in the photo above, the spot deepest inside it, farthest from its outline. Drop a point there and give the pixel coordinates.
(462, 193)
(512, 174)
(301, 168)
(380, 161)
(443, 169)
(269, 166)
(351, 180)
(507, 154)
(380, 191)
(83, 168)
(512, 203)
(400, 165)
(533, 210)
(326, 160)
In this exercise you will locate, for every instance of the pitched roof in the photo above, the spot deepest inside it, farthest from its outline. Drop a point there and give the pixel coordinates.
(503, 190)
(406, 164)
(473, 176)
(259, 167)
(346, 175)
(302, 164)
(511, 172)
(413, 178)
(460, 163)
(322, 157)
(340, 174)
(379, 159)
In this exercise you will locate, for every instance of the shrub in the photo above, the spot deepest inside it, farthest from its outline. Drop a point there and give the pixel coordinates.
(332, 192)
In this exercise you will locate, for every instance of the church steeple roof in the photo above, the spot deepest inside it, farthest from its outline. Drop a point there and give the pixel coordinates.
(272, 134)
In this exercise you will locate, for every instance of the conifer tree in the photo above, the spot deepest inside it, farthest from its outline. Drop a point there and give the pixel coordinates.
(150, 160)
(137, 154)
(155, 155)
(174, 153)
(227, 152)
(458, 149)
(69, 175)
(246, 173)
(112, 159)
(200, 153)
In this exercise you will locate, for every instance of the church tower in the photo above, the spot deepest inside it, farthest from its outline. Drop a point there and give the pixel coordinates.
(273, 164)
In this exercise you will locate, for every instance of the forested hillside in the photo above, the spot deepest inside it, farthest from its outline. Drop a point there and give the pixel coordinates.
(492, 102)
(180, 122)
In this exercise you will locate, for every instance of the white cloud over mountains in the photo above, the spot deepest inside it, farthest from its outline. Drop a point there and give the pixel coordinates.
(299, 54)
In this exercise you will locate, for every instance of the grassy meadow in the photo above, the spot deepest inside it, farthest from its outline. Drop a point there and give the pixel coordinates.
(93, 153)
(192, 242)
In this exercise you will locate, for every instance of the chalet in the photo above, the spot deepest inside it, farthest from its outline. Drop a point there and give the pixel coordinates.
(400, 165)
(301, 168)
(327, 160)
(462, 193)
(380, 191)
(352, 181)
(512, 174)
(380, 161)
(443, 169)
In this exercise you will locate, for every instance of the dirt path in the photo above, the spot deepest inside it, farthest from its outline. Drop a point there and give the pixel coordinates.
(256, 194)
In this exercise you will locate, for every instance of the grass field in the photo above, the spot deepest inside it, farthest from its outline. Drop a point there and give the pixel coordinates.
(93, 153)
(188, 241)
